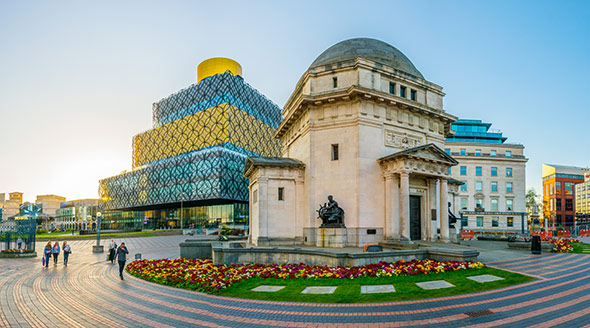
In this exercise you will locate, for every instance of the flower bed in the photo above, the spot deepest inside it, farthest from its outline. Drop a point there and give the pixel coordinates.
(203, 275)
(13, 251)
(562, 245)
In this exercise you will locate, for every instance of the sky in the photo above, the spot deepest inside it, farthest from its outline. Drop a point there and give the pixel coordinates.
(78, 79)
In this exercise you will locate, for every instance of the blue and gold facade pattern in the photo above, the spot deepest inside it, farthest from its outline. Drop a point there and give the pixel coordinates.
(196, 151)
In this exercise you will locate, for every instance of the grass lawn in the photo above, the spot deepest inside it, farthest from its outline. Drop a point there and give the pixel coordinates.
(349, 291)
(580, 247)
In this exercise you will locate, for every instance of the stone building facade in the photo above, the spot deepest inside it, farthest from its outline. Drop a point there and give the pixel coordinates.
(492, 197)
(364, 126)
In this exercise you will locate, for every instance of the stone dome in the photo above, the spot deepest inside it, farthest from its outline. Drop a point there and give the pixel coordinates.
(375, 50)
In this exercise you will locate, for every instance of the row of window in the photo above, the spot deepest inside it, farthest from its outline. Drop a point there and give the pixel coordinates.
(479, 221)
(493, 186)
(555, 204)
(463, 152)
(551, 188)
(493, 204)
(403, 91)
(479, 170)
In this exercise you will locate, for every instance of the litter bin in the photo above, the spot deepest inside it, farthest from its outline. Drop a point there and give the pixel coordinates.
(536, 244)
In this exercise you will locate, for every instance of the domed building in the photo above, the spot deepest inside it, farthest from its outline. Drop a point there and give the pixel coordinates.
(364, 126)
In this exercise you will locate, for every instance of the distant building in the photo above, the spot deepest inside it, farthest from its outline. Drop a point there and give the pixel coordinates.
(77, 214)
(10, 206)
(559, 193)
(493, 196)
(582, 195)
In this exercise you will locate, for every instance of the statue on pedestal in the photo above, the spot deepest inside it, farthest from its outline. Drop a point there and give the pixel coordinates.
(331, 214)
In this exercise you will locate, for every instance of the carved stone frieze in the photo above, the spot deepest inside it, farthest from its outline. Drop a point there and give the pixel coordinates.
(401, 140)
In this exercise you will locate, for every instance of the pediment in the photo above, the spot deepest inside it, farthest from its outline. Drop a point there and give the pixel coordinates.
(429, 152)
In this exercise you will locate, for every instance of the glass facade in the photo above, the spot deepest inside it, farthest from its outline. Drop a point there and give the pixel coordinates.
(194, 157)
(475, 131)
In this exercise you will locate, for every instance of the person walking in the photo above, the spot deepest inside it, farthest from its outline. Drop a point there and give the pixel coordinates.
(19, 242)
(55, 251)
(121, 256)
(67, 250)
(47, 254)
(112, 250)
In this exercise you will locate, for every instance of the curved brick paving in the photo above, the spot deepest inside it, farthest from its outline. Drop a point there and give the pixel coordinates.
(88, 293)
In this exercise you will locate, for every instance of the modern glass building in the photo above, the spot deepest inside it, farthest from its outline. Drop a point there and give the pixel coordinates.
(188, 168)
(474, 131)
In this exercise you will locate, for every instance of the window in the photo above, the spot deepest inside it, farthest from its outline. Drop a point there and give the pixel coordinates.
(463, 170)
(493, 153)
(478, 186)
(448, 151)
(449, 171)
(508, 186)
(478, 170)
(494, 171)
(551, 188)
(335, 82)
(412, 95)
(463, 203)
(462, 152)
(494, 221)
(464, 186)
(281, 192)
(510, 221)
(479, 203)
(335, 152)
(569, 188)
(494, 186)
(392, 88)
(480, 221)
(509, 204)
(402, 91)
(569, 204)
(508, 171)
(557, 187)
(508, 153)
(494, 204)
(478, 152)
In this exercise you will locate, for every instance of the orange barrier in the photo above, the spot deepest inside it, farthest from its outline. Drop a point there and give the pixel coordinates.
(563, 234)
(584, 232)
(467, 234)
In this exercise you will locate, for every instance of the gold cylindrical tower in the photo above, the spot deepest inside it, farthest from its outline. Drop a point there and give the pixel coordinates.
(217, 65)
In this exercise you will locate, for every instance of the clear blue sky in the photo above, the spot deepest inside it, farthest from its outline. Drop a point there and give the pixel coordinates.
(77, 79)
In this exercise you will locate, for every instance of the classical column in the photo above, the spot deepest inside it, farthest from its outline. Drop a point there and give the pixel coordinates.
(391, 194)
(404, 209)
(263, 232)
(388, 201)
(444, 212)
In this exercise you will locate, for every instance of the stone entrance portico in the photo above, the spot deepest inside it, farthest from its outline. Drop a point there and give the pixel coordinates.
(427, 166)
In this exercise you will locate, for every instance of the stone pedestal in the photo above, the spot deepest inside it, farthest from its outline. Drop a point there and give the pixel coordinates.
(97, 249)
(331, 237)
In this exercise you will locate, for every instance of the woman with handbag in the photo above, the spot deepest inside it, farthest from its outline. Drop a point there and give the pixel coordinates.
(67, 250)
(47, 254)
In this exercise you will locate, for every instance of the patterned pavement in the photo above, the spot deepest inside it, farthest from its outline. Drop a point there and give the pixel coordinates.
(88, 293)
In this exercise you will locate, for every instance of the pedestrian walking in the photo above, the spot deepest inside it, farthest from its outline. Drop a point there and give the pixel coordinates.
(121, 256)
(47, 254)
(19, 242)
(67, 250)
(55, 251)
(112, 250)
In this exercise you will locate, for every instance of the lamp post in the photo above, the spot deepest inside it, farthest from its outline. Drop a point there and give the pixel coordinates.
(98, 248)
(181, 211)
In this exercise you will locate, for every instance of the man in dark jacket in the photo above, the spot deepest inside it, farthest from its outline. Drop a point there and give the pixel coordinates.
(121, 256)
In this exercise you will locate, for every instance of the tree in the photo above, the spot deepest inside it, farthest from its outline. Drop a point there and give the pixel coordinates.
(532, 198)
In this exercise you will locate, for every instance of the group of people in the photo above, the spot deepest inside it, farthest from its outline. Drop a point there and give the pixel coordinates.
(55, 250)
(119, 253)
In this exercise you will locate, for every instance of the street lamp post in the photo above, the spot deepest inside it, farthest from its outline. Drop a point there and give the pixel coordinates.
(181, 212)
(98, 248)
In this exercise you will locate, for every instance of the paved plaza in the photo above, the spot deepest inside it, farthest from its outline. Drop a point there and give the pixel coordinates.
(89, 293)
